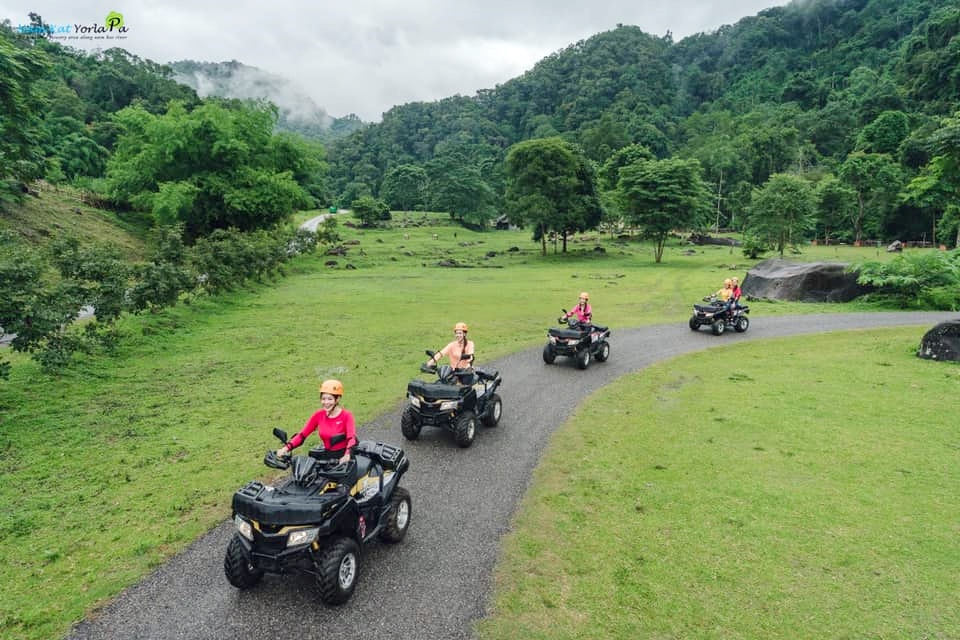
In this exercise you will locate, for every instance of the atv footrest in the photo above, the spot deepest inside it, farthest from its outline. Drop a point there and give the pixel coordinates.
(487, 374)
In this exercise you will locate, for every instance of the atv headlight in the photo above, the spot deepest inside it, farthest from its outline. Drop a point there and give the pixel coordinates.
(414, 401)
(302, 536)
(448, 405)
(244, 527)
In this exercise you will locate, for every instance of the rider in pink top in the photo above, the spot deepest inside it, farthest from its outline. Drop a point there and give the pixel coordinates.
(458, 350)
(334, 424)
(583, 311)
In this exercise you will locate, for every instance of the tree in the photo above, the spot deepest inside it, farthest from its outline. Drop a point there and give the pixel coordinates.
(456, 185)
(403, 187)
(369, 210)
(876, 179)
(782, 210)
(218, 166)
(836, 203)
(550, 187)
(661, 196)
(20, 153)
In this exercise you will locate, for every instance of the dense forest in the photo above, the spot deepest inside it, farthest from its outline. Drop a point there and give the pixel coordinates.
(857, 96)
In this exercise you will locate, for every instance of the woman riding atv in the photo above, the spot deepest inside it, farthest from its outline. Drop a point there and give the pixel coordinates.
(333, 423)
(583, 310)
(460, 351)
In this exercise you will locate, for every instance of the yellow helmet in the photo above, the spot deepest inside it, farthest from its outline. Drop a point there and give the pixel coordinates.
(461, 326)
(584, 295)
(334, 387)
(735, 279)
(728, 282)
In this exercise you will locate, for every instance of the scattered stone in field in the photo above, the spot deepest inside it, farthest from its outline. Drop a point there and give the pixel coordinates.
(354, 241)
(350, 266)
(777, 279)
(942, 342)
(330, 263)
(513, 249)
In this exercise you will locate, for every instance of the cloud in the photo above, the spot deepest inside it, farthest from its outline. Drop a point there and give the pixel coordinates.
(367, 56)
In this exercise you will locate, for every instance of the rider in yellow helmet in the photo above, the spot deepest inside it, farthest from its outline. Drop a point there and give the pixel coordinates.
(334, 424)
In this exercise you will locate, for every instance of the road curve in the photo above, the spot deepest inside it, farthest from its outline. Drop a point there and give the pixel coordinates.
(437, 582)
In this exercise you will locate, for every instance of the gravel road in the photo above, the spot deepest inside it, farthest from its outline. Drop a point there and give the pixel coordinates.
(437, 582)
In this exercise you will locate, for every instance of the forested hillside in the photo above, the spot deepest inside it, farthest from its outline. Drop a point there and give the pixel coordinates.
(838, 90)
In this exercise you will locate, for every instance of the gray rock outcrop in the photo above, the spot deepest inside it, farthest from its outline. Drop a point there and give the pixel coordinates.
(778, 279)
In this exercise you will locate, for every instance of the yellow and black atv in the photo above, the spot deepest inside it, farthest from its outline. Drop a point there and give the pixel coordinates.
(454, 401)
(318, 519)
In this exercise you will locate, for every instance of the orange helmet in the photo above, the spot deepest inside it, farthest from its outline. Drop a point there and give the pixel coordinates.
(736, 280)
(584, 295)
(461, 326)
(333, 387)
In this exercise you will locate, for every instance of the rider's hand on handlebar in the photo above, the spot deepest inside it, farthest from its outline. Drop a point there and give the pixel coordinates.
(283, 452)
(344, 458)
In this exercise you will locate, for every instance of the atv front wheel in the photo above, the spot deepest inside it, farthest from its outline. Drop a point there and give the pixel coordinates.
(409, 425)
(464, 429)
(718, 327)
(743, 323)
(398, 519)
(603, 353)
(548, 354)
(236, 564)
(583, 358)
(337, 570)
(694, 325)
(494, 409)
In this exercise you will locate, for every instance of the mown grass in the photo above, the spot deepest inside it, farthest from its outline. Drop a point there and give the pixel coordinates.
(802, 488)
(123, 460)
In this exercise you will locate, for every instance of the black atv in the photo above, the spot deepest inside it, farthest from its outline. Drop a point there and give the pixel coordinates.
(455, 401)
(318, 519)
(720, 318)
(580, 340)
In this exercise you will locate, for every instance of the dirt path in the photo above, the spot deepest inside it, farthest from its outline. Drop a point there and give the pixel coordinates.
(438, 581)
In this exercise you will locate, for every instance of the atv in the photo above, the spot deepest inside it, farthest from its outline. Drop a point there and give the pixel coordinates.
(580, 340)
(719, 317)
(319, 519)
(454, 401)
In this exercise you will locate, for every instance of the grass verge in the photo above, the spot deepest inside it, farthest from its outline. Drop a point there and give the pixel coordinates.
(804, 488)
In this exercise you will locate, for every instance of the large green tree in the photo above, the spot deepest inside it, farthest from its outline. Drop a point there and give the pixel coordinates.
(876, 179)
(215, 167)
(551, 187)
(20, 152)
(661, 196)
(782, 210)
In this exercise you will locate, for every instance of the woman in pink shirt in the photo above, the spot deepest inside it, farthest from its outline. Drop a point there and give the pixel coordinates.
(333, 423)
(583, 311)
(460, 351)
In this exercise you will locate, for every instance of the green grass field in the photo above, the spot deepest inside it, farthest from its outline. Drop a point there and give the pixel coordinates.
(174, 421)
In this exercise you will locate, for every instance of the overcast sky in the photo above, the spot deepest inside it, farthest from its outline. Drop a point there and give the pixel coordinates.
(366, 56)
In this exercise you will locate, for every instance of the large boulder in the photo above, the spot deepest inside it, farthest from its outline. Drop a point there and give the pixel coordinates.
(777, 279)
(942, 342)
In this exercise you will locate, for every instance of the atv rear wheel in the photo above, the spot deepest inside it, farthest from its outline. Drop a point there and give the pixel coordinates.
(236, 564)
(743, 323)
(583, 358)
(409, 425)
(465, 429)
(337, 570)
(603, 353)
(718, 326)
(694, 325)
(398, 519)
(494, 409)
(548, 354)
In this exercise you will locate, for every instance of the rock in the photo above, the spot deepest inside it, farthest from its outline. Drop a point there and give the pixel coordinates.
(942, 342)
(777, 279)
(702, 238)
(896, 245)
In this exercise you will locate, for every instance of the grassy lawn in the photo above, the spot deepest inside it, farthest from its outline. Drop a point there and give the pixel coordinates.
(805, 488)
(178, 417)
